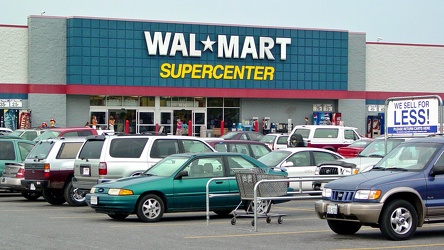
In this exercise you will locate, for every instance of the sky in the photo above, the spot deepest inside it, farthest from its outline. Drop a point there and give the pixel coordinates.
(391, 21)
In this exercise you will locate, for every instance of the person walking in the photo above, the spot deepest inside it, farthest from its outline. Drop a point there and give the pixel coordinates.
(94, 122)
(111, 122)
(179, 127)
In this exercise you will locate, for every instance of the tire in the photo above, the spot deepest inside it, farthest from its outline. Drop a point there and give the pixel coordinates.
(73, 196)
(344, 227)
(150, 208)
(296, 140)
(398, 220)
(53, 196)
(223, 213)
(31, 196)
(118, 216)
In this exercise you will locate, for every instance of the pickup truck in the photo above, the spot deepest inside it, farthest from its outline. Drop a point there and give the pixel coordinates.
(401, 192)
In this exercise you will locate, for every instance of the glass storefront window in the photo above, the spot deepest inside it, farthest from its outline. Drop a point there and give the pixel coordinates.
(231, 102)
(114, 101)
(214, 116)
(231, 115)
(215, 102)
(130, 101)
(97, 100)
(165, 101)
(199, 102)
(146, 118)
(146, 101)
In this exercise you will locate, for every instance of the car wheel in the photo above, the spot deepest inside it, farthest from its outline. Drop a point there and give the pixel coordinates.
(398, 220)
(150, 208)
(73, 196)
(223, 213)
(296, 140)
(118, 216)
(31, 196)
(344, 227)
(53, 196)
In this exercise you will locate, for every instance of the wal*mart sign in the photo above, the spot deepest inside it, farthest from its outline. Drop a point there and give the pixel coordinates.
(413, 116)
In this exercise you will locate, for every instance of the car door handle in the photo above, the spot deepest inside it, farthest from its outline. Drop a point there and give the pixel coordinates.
(219, 182)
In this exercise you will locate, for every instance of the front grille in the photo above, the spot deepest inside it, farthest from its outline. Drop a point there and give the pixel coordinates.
(344, 196)
(328, 170)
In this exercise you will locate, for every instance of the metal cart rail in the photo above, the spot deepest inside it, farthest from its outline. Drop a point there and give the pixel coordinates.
(246, 180)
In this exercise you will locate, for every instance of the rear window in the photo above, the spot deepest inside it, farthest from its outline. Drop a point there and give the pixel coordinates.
(46, 135)
(7, 150)
(303, 132)
(193, 146)
(326, 133)
(127, 148)
(282, 140)
(41, 150)
(69, 150)
(91, 149)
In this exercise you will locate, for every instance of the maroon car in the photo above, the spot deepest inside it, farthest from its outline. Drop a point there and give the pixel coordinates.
(243, 135)
(355, 148)
(254, 149)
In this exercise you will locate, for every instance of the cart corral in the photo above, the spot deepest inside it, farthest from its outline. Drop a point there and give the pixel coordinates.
(266, 195)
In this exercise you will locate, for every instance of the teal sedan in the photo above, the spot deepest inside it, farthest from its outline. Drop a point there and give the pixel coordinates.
(175, 184)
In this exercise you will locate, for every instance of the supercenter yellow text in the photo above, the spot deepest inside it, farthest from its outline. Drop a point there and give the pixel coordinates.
(226, 72)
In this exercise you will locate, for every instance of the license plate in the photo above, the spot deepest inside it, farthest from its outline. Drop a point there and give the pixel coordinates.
(32, 186)
(332, 209)
(85, 171)
(94, 200)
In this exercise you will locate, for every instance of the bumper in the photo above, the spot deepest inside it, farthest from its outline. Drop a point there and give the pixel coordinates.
(112, 204)
(34, 185)
(86, 185)
(359, 212)
(10, 183)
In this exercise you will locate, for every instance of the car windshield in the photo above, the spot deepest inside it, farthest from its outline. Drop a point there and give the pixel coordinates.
(229, 135)
(46, 135)
(268, 139)
(377, 147)
(408, 157)
(274, 158)
(359, 144)
(167, 166)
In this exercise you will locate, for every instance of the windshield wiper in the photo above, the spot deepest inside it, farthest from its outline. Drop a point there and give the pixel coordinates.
(376, 155)
(395, 168)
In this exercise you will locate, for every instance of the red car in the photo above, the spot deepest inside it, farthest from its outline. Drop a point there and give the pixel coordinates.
(355, 148)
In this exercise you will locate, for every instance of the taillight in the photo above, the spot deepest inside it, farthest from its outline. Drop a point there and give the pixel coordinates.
(46, 170)
(103, 170)
(308, 143)
(20, 173)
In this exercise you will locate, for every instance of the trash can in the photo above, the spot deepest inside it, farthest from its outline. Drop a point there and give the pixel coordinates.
(203, 131)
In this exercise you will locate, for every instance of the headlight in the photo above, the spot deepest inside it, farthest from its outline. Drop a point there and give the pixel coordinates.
(367, 194)
(119, 191)
(326, 192)
(93, 190)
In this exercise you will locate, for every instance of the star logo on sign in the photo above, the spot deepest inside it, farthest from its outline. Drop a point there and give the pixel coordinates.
(208, 44)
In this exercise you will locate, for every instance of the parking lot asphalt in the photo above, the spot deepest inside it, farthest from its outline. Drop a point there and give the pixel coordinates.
(39, 225)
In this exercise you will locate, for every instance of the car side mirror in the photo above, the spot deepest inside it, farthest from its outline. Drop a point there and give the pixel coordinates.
(437, 170)
(287, 164)
(181, 174)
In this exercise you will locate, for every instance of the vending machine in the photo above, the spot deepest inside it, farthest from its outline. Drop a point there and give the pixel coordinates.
(266, 125)
(336, 119)
(320, 118)
(375, 125)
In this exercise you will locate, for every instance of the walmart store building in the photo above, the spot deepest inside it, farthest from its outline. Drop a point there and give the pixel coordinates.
(151, 72)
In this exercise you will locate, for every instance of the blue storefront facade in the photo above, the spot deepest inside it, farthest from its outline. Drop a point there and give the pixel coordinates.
(151, 73)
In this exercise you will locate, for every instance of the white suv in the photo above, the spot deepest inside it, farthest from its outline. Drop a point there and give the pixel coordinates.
(104, 158)
(323, 136)
(275, 141)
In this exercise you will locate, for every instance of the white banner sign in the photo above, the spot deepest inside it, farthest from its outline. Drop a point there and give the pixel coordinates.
(413, 116)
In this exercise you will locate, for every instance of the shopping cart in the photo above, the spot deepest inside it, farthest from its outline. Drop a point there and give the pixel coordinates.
(246, 180)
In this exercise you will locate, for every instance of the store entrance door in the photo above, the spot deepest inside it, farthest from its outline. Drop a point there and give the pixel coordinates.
(120, 116)
(184, 116)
